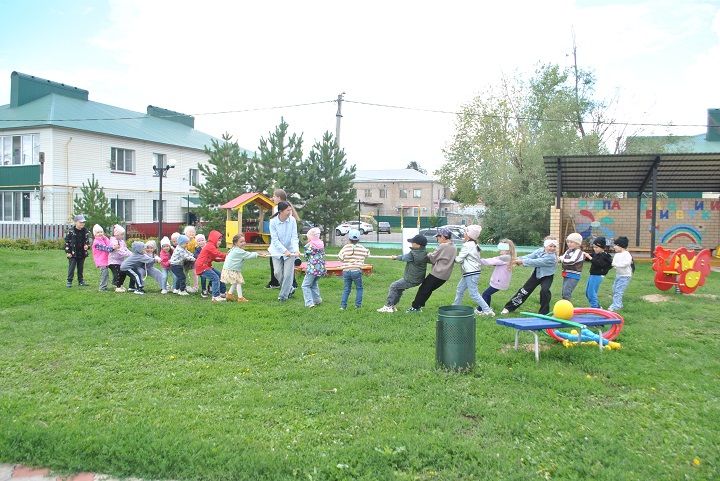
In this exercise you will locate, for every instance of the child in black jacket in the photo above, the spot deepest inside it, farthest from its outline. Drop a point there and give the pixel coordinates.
(600, 264)
(77, 243)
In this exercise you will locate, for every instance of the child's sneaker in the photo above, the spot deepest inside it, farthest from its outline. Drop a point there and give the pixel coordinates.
(139, 291)
(218, 299)
(119, 289)
(230, 297)
(387, 309)
(203, 294)
(82, 284)
(183, 293)
(131, 289)
(412, 309)
(342, 308)
(191, 290)
(504, 312)
(69, 284)
(164, 291)
(176, 291)
(242, 299)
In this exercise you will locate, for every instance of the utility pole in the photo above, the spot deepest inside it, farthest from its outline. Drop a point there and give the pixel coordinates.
(338, 116)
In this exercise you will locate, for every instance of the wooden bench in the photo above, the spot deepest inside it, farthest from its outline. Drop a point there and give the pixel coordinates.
(535, 324)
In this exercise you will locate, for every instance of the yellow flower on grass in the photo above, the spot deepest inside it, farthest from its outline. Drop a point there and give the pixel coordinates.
(696, 461)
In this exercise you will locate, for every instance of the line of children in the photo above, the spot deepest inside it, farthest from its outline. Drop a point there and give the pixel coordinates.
(353, 256)
(414, 274)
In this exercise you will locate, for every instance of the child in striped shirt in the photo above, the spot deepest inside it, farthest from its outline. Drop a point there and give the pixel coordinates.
(353, 257)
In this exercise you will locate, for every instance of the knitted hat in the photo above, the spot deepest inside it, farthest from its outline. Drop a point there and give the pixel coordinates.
(151, 243)
(354, 234)
(200, 238)
(183, 239)
(118, 230)
(164, 241)
(575, 237)
(600, 242)
(313, 233)
(442, 232)
(622, 242)
(97, 229)
(473, 231)
(174, 236)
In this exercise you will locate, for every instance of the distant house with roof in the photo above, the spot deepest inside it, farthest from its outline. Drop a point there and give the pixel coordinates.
(387, 192)
(81, 138)
(703, 143)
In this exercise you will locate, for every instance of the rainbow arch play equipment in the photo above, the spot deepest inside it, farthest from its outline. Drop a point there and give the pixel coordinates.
(682, 268)
(582, 313)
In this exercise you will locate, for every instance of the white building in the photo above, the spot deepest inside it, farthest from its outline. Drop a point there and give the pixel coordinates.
(81, 138)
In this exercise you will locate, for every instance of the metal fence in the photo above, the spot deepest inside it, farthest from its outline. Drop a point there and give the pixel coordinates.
(34, 232)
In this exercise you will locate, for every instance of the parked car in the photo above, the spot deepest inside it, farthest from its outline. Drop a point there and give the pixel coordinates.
(383, 227)
(430, 234)
(306, 225)
(345, 227)
(459, 230)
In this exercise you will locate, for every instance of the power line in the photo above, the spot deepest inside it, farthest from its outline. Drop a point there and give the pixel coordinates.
(144, 116)
(515, 117)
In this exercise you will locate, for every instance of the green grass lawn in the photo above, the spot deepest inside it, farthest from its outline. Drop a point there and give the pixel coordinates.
(167, 387)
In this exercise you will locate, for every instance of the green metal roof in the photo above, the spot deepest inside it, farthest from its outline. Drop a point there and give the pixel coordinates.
(73, 113)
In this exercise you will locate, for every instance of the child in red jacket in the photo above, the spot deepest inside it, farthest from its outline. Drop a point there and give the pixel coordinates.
(204, 268)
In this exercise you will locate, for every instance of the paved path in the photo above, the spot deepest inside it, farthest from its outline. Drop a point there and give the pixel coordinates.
(23, 473)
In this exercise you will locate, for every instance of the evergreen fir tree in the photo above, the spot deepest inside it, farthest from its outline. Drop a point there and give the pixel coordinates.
(226, 176)
(280, 165)
(331, 196)
(94, 205)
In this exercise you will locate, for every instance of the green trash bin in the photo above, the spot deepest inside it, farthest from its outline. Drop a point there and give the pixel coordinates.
(455, 337)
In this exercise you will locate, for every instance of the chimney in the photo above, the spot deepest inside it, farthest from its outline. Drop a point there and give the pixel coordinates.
(713, 127)
(171, 115)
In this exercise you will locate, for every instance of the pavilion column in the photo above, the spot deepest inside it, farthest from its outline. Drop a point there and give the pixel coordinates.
(637, 220)
(654, 207)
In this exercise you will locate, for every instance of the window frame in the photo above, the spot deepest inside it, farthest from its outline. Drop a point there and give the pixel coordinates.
(403, 193)
(11, 156)
(155, 210)
(114, 160)
(15, 205)
(125, 203)
(368, 193)
(383, 193)
(193, 178)
(417, 193)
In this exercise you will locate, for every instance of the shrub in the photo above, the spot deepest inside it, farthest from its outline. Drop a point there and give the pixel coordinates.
(28, 245)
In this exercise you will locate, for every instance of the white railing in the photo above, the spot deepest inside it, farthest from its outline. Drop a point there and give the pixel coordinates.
(34, 232)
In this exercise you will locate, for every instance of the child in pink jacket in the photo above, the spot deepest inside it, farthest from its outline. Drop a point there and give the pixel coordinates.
(101, 249)
(502, 274)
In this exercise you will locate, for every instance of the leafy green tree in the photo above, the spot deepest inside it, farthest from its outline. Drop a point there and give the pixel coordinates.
(94, 205)
(331, 196)
(280, 164)
(496, 154)
(227, 174)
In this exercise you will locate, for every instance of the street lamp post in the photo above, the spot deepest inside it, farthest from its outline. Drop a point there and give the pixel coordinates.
(161, 171)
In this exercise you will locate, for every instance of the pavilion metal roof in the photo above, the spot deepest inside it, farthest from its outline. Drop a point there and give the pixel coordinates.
(676, 172)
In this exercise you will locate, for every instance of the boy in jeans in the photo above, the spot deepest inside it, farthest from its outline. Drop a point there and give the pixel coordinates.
(623, 264)
(77, 243)
(353, 257)
(177, 262)
(416, 264)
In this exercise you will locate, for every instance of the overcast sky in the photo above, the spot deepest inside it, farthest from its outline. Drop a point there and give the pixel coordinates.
(660, 59)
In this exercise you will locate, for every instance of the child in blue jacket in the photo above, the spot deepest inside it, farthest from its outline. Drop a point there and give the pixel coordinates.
(543, 260)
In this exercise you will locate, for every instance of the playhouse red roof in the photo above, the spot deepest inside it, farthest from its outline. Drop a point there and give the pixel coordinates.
(246, 198)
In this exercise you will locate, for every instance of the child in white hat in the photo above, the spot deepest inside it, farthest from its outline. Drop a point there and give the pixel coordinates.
(572, 264)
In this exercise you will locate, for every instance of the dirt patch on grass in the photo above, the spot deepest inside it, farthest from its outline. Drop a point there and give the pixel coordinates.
(654, 298)
(714, 297)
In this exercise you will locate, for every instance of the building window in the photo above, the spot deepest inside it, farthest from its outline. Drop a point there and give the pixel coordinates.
(14, 206)
(194, 177)
(122, 209)
(417, 193)
(19, 149)
(368, 193)
(122, 160)
(403, 193)
(383, 193)
(160, 160)
(155, 210)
